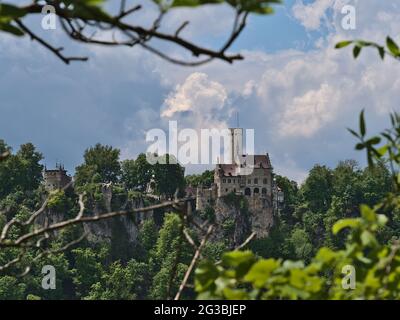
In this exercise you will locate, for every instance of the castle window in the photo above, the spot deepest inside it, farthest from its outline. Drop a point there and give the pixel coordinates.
(264, 191)
(256, 191)
(249, 181)
(255, 181)
(223, 180)
(229, 180)
(233, 180)
(226, 190)
(265, 181)
(234, 190)
(247, 192)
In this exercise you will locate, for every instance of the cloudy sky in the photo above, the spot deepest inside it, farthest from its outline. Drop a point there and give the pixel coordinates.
(293, 88)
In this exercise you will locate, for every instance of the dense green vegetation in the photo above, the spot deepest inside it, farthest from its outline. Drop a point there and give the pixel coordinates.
(154, 267)
(309, 212)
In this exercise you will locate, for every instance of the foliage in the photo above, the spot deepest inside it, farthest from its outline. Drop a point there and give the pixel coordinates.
(58, 201)
(83, 19)
(317, 189)
(136, 174)
(121, 283)
(390, 48)
(21, 171)
(206, 179)
(101, 165)
(169, 259)
(10, 289)
(169, 176)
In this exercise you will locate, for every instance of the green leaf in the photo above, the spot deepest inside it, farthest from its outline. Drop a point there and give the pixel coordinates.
(345, 223)
(360, 146)
(261, 271)
(9, 28)
(240, 261)
(206, 274)
(10, 11)
(367, 238)
(343, 44)
(382, 52)
(356, 51)
(193, 3)
(382, 219)
(393, 47)
(232, 294)
(374, 141)
(363, 129)
(367, 213)
(325, 255)
(382, 151)
(353, 133)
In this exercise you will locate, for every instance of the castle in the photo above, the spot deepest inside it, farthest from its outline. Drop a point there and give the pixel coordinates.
(56, 178)
(248, 175)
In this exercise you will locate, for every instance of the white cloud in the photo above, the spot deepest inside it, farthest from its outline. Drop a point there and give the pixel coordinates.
(320, 13)
(204, 100)
(309, 112)
(311, 15)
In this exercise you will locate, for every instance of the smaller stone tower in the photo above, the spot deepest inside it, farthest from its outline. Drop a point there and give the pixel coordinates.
(56, 178)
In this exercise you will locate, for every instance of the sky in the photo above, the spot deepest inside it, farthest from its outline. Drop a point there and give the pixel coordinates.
(293, 88)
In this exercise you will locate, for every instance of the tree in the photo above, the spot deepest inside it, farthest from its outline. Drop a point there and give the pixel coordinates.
(137, 174)
(88, 268)
(22, 171)
(169, 176)
(317, 189)
(121, 282)
(206, 179)
(148, 234)
(300, 244)
(10, 289)
(101, 162)
(32, 169)
(82, 20)
(167, 259)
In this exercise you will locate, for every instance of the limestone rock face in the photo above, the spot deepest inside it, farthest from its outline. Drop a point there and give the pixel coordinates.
(125, 228)
(261, 215)
(119, 231)
(232, 222)
(237, 217)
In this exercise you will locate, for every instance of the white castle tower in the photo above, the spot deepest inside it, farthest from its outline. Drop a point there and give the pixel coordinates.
(236, 145)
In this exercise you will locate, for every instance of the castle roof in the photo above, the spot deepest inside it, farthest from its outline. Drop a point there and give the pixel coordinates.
(261, 161)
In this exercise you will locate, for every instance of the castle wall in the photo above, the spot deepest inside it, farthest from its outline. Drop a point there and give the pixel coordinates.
(205, 197)
(260, 203)
(56, 179)
(259, 179)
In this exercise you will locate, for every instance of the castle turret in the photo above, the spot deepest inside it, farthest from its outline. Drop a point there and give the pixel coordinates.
(56, 178)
